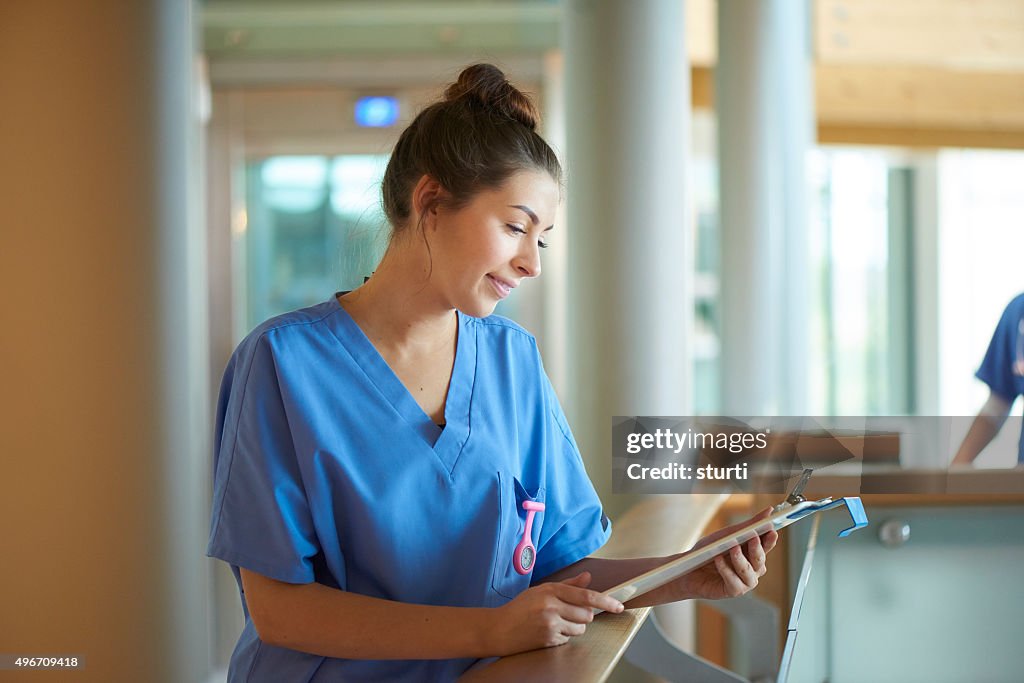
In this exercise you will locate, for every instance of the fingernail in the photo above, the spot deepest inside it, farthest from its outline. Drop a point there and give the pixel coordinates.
(619, 607)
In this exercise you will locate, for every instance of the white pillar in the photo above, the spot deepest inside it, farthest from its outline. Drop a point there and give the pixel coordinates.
(105, 417)
(764, 104)
(555, 280)
(627, 77)
(630, 296)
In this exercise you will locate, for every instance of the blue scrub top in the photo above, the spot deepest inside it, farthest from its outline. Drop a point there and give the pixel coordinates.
(1003, 367)
(327, 470)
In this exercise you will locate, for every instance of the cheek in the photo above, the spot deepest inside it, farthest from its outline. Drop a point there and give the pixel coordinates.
(485, 253)
(471, 251)
(495, 255)
(498, 248)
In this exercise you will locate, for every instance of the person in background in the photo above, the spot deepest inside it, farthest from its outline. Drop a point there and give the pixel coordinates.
(396, 488)
(1003, 371)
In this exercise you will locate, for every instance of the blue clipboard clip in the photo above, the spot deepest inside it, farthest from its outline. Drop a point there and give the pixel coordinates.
(853, 504)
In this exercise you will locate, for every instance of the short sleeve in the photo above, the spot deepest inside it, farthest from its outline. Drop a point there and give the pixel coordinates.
(261, 518)
(997, 367)
(574, 521)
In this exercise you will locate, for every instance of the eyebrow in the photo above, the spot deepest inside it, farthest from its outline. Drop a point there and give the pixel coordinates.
(529, 212)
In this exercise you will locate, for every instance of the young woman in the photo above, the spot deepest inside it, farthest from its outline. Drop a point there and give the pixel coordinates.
(379, 454)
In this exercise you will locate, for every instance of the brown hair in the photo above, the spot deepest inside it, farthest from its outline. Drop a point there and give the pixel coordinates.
(480, 134)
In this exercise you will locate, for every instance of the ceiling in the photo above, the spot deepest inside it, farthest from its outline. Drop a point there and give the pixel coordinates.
(270, 28)
(937, 71)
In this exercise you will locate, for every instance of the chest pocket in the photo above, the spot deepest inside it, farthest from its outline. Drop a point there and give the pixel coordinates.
(506, 581)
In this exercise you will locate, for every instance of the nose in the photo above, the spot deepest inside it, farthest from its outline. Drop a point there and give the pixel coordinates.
(527, 261)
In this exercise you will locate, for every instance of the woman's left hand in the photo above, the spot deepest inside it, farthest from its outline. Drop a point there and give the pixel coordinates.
(734, 572)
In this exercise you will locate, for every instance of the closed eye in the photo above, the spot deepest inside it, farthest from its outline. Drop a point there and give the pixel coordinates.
(519, 230)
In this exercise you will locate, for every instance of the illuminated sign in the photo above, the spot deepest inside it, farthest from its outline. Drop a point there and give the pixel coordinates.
(376, 112)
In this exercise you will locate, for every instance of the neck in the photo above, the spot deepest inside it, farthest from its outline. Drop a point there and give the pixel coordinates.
(398, 307)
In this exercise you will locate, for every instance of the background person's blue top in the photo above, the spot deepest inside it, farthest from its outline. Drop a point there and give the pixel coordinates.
(327, 470)
(1003, 367)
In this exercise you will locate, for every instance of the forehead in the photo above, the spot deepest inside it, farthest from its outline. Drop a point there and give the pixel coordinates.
(535, 189)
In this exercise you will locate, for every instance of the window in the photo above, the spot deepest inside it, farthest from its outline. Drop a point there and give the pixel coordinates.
(314, 226)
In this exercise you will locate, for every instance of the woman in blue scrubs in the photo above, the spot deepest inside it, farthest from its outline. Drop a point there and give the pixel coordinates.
(380, 456)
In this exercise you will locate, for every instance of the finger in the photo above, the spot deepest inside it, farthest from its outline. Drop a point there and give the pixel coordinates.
(769, 540)
(734, 586)
(756, 555)
(585, 597)
(744, 570)
(573, 629)
(557, 638)
(575, 614)
(582, 580)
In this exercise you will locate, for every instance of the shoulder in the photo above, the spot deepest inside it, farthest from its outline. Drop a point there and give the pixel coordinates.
(495, 328)
(506, 348)
(297, 321)
(496, 324)
(516, 349)
(1016, 306)
(1013, 314)
(287, 329)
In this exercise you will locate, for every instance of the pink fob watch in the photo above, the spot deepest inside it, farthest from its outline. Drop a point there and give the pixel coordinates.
(526, 553)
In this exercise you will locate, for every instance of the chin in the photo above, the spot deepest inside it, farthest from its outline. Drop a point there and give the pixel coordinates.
(479, 308)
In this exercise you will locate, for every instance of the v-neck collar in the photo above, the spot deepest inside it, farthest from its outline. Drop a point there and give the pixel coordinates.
(446, 443)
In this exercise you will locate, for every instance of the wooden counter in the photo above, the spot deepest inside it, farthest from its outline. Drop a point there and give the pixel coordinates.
(663, 525)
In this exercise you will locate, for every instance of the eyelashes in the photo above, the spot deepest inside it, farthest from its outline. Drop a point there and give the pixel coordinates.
(519, 231)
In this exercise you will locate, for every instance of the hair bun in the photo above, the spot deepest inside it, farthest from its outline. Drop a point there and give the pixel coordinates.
(486, 85)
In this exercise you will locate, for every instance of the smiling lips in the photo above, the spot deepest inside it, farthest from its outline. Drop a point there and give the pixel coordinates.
(502, 287)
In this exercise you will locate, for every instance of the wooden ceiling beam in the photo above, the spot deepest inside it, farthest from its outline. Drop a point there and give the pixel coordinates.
(972, 34)
(911, 106)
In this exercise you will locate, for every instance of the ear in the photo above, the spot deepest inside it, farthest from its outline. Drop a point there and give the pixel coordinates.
(425, 197)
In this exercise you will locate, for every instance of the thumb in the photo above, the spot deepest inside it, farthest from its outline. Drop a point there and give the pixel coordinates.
(581, 580)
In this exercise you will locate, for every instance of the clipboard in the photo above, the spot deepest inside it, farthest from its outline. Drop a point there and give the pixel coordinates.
(792, 510)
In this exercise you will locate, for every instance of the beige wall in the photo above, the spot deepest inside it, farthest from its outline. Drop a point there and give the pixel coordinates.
(97, 439)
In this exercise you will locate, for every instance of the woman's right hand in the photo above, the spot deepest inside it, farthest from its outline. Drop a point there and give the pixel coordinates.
(546, 615)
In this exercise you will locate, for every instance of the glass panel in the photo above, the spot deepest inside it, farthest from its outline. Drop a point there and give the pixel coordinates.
(849, 243)
(315, 226)
(938, 609)
(707, 257)
(858, 284)
(851, 368)
(356, 206)
(981, 248)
